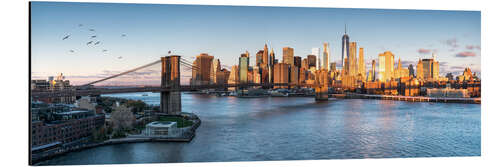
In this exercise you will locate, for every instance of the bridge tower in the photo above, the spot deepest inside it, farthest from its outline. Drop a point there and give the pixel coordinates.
(321, 85)
(170, 102)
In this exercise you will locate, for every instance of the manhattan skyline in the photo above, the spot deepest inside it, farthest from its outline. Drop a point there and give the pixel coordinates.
(227, 31)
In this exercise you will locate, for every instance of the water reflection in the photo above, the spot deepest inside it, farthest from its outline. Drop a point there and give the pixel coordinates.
(241, 129)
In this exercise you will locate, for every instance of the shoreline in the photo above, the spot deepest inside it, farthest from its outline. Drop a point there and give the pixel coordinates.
(125, 140)
(409, 98)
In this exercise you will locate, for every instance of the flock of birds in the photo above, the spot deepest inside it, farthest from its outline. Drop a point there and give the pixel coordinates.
(94, 40)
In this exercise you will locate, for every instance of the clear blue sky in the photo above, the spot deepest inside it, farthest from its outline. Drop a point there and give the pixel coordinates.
(227, 31)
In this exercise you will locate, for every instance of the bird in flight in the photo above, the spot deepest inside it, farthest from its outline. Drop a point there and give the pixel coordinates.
(104, 50)
(123, 35)
(91, 29)
(90, 42)
(93, 36)
(169, 52)
(80, 25)
(97, 42)
(72, 51)
(66, 37)
(120, 57)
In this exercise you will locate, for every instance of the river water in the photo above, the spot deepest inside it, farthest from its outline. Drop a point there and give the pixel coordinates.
(298, 128)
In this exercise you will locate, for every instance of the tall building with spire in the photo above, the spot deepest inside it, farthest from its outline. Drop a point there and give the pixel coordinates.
(326, 56)
(271, 66)
(345, 46)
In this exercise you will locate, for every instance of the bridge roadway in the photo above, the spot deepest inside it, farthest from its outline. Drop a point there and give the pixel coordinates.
(99, 91)
(182, 88)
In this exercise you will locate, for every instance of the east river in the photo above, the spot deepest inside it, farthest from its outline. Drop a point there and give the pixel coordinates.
(298, 128)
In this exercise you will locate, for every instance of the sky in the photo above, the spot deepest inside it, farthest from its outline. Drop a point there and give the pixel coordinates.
(151, 30)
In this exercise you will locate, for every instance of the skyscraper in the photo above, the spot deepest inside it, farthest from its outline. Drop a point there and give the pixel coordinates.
(386, 66)
(326, 56)
(315, 52)
(430, 69)
(281, 74)
(288, 55)
(265, 56)
(311, 59)
(373, 72)
(271, 66)
(352, 63)
(201, 72)
(297, 61)
(345, 45)
(259, 58)
(214, 69)
(361, 63)
(243, 67)
(420, 69)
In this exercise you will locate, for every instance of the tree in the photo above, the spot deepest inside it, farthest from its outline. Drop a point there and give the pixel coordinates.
(122, 118)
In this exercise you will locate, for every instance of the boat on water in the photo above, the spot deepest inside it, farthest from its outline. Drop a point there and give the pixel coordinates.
(145, 94)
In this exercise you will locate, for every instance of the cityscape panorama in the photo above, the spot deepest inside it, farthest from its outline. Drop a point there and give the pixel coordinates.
(161, 83)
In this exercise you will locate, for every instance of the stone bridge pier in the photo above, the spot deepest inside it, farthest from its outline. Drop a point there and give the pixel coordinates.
(170, 102)
(321, 85)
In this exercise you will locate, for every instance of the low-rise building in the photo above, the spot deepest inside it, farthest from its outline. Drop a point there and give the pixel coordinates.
(162, 129)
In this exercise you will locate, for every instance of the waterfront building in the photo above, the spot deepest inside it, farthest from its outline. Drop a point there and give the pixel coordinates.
(223, 76)
(162, 129)
(69, 127)
(288, 55)
(281, 73)
(345, 46)
(386, 66)
(256, 75)
(202, 70)
(447, 92)
(326, 56)
(234, 77)
(361, 64)
(243, 67)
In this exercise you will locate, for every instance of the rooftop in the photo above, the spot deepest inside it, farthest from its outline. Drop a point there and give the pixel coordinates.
(164, 124)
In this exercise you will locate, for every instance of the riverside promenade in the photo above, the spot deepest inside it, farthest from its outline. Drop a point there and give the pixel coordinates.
(408, 98)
